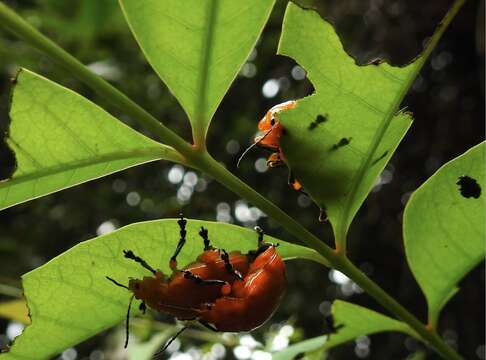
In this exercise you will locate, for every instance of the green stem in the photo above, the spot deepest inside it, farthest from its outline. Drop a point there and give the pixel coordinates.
(201, 160)
(337, 260)
(427, 334)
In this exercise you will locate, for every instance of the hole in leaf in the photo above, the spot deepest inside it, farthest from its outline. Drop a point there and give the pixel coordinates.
(341, 143)
(469, 187)
(319, 120)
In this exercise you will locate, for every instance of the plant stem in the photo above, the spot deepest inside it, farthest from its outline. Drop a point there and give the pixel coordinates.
(338, 261)
(201, 160)
(428, 335)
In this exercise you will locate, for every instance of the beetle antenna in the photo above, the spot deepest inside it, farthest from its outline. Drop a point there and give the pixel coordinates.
(117, 283)
(252, 146)
(160, 352)
(127, 330)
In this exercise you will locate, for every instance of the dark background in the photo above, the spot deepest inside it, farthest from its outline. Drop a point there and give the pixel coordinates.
(448, 105)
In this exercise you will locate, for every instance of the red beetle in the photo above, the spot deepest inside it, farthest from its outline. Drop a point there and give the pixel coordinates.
(223, 291)
(270, 140)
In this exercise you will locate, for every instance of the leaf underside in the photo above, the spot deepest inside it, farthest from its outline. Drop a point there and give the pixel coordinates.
(340, 138)
(70, 299)
(444, 227)
(60, 139)
(356, 321)
(197, 53)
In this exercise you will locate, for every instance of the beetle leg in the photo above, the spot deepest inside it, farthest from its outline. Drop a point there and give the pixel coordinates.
(275, 160)
(204, 234)
(198, 280)
(260, 233)
(208, 326)
(159, 352)
(182, 225)
(130, 255)
(262, 245)
(295, 184)
(228, 266)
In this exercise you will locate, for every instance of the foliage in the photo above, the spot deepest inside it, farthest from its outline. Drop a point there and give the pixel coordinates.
(453, 232)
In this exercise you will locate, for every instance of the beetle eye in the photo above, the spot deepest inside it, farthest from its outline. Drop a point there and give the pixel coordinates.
(272, 122)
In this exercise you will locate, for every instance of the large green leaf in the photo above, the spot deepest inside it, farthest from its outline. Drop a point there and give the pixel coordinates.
(197, 46)
(444, 227)
(70, 299)
(355, 320)
(340, 138)
(60, 139)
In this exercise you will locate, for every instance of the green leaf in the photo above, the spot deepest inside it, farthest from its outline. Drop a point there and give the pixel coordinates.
(197, 46)
(356, 321)
(302, 347)
(359, 129)
(70, 299)
(444, 230)
(60, 139)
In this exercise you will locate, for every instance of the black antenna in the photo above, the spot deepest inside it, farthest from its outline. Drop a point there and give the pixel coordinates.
(127, 330)
(252, 146)
(161, 351)
(129, 307)
(117, 283)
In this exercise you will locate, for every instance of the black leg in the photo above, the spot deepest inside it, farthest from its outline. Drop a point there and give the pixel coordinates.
(228, 266)
(208, 326)
(127, 326)
(262, 245)
(198, 280)
(130, 255)
(260, 233)
(204, 234)
(182, 225)
(160, 352)
(295, 184)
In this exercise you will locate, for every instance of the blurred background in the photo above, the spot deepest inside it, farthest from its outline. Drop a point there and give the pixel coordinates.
(447, 100)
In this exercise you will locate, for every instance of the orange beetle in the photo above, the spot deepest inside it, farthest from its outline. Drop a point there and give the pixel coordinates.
(223, 291)
(270, 140)
(253, 300)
